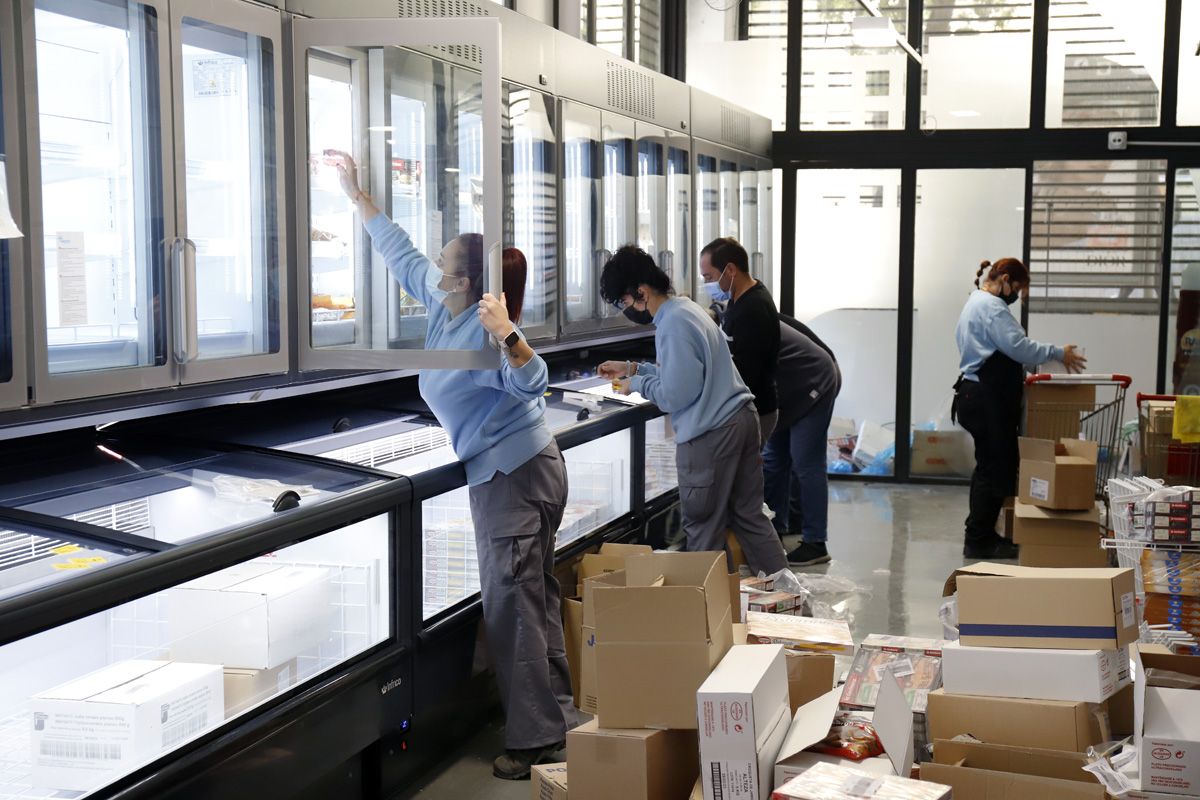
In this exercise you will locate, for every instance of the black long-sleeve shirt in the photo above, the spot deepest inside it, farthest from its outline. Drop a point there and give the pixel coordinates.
(807, 371)
(752, 324)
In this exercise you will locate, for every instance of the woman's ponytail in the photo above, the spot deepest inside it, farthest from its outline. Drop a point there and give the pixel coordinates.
(979, 273)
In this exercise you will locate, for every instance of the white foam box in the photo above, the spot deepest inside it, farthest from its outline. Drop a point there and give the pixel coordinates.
(253, 616)
(90, 730)
(1088, 676)
(245, 688)
(744, 711)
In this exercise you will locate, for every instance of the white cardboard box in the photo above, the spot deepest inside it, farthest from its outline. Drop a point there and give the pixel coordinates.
(92, 729)
(253, 616)
(810, 725)
(1167, 726)
(1090, 676)
(743, 712)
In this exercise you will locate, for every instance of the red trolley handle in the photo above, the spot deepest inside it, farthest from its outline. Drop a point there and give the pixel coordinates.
(1043, 377)
(1145, 398)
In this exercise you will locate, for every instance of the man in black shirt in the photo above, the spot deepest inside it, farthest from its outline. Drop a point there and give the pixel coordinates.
(751, 323)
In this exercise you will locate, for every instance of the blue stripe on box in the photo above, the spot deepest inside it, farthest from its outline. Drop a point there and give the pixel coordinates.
(1040, 631)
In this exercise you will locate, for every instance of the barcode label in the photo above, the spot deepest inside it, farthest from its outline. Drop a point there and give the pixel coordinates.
(717, 792)
(175, 734)
(1039, 489)
(92, 751)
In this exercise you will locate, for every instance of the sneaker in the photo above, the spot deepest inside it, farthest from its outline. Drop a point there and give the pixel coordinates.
(994, 549)
(807, 554)
(516, 765)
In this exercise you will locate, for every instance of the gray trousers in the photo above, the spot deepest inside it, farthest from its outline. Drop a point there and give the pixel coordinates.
(516, 518)
(721, 487)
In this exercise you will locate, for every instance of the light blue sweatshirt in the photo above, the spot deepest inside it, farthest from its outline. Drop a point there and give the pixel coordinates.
(985, 326)
(695, 380)
(496, 419)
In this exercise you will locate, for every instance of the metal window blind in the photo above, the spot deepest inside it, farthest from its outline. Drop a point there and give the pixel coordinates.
(767, 19)
(1185, 230)
(647, 33)
(954, 17)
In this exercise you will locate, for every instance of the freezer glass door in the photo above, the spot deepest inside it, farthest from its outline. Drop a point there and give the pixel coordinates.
(531, 208)
(391, 266)
(619, 194)
(731, 197)
(34, 555)
(652, 198)
(708, 200)
(766, 227)
(99, 133)
(584, 252)
(679, 214)
(229, 266)
(748, 179)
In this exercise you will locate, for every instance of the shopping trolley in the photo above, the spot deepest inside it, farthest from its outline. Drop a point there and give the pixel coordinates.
(1163, 456)
(1095, 417)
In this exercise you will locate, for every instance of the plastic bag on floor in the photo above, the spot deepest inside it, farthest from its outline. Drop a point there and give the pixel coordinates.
(826, 596)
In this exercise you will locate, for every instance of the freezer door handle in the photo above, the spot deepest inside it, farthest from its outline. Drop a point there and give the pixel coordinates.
(183, 264)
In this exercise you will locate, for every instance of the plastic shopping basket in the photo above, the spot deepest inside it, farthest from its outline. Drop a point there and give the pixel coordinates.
(1093, 415)
(1163, 456)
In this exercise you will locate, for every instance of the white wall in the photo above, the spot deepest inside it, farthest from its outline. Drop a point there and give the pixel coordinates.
(1120, 343)
(967, 86)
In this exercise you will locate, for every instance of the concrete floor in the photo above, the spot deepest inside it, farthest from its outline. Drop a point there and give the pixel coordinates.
(900, 543)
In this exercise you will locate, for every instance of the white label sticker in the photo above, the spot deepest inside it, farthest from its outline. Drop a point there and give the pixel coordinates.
(1127, 618)
(861, 786)
(901, 668)
(1039, 489)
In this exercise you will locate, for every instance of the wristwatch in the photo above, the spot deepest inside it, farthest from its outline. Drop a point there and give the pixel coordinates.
(511, 340)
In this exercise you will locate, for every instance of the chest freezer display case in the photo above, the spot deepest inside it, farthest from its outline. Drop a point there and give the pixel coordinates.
(121, 648)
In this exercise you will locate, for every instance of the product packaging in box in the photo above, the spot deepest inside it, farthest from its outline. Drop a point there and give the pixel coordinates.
(247, 687)
(775, 603)
(1176, 519)
(1059, 475)
(659, 636)
(1058, 538)
(810, 675)
(977, 771)
(915, 663)
(1002, 605)
(829, 782)
(800, 633)
(743, 713)
(549, 781)
(1167, 721)
(1090, 676)
(631, 764)
(1070, 727)
(1171, 572)
(1180, 612)
(94, 728)
(253, 616)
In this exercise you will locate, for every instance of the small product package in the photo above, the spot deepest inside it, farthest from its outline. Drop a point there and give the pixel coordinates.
(800, 633)
(829, 782)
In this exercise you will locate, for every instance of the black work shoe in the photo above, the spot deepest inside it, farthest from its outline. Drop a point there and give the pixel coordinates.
(807, 554)
(516, 765)
(994, 549)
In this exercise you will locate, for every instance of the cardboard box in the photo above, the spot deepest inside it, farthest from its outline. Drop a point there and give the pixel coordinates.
(610, 558)
(809, 725)
(1001, 605)
(829, 782)
(245, 688)
(631, 764)
(1056, 410)
(942, 453)
(993, 772)
(800, 633)
(256, 615)
(588, 688)
(1007, 519)
(1090, 676)
(1058, 538)
(775, 603)
(659, 637)
(549, 782)
(572, 619)
(1058, 475)
(90, 730)
(737, 613)
(809, 675)
(1167, 725)
(744, 714)
(1043, 724)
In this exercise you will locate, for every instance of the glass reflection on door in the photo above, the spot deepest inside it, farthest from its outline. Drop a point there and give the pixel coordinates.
(531, 203)
(748, 180)
(583, 244)
(679, 215)
(731, 211)
(101, 179)
(708, 200)
(651, 202)
(228, 138)
(620, 211)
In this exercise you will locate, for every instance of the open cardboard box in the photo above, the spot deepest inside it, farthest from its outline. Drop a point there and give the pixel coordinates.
(1062, 725)
(978, 771)
(1002, 605)
(610, 558)
(588, 692)
(1167, 725)
(658, 638)
(1059, 475)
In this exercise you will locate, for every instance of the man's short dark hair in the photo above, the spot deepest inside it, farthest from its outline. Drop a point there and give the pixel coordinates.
(629, 268)
(725, 250)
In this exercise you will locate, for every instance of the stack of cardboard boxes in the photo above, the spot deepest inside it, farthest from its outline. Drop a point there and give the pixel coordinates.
(1056, 519)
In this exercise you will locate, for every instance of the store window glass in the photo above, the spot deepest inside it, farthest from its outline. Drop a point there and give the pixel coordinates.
(963, 217)
(101, 184)
(747, 66)
(1095, 264)
(847, 249)
(1189, 65)
(1104, 63)
(978, 59)
(1183, 329)
(844, 85)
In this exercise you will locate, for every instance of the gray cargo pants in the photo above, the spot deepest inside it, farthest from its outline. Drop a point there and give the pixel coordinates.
(516, 518)
(721, 487)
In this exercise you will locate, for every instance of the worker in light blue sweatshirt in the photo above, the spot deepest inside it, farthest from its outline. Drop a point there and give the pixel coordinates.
(516, 475)
(993, 350)
(712, 410)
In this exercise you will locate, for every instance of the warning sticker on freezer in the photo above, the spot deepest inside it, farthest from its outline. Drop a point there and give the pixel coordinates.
(1039, 489)
(1127, 617)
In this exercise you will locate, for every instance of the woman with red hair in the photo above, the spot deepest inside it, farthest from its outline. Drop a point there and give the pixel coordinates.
(987, 397)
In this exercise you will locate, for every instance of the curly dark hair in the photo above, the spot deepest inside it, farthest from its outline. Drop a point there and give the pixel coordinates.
(629, 268)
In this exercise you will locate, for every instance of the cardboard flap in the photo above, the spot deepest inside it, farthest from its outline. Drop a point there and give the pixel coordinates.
(810, 724)
(1036, 449)
(893, 722)
(618, 549)
(609, 579)
(1089, 452)
(1017, 760)
(651, 614)
(679, 569)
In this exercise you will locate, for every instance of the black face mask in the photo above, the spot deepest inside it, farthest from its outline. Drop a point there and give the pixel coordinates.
(1009, 298)
(638, 317)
